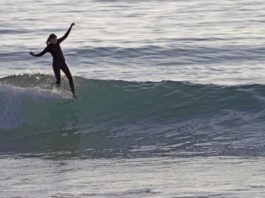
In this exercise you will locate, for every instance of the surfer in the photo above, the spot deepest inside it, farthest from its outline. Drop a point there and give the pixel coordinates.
(53, 46)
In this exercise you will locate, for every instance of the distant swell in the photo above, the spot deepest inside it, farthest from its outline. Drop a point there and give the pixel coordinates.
(138, 117)
(183, 54)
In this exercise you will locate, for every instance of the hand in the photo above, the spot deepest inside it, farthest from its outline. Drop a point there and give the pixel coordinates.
(31, 53)
(72, 24)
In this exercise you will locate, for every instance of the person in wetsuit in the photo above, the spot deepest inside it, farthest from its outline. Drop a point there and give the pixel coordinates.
(53, 46)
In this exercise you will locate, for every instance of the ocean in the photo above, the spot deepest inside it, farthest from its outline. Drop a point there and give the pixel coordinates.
(171, 99)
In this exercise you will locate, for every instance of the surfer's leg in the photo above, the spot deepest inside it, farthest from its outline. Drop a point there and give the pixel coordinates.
(70, 78)
(56, 69)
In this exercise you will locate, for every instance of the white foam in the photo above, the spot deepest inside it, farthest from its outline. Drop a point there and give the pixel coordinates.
(12, 101)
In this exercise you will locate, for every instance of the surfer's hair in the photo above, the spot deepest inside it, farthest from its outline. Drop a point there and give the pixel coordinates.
(52, 36)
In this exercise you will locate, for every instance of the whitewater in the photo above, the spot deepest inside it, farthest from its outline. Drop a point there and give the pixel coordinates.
(171, 98)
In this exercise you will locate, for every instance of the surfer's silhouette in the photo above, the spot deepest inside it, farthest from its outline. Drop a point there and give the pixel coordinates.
(53, 46)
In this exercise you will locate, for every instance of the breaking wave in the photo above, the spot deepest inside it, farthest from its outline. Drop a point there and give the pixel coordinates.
(113, 117)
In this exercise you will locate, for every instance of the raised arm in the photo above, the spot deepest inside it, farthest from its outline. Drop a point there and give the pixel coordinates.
(39, 54)
(66, 34)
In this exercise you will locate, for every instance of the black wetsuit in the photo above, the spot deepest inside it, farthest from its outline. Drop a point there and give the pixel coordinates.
(59, 61)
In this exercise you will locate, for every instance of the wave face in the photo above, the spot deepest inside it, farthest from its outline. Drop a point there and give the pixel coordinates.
(130, 118)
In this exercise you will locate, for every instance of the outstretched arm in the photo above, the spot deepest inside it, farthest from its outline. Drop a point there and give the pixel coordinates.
(66, 34)
(39, 54)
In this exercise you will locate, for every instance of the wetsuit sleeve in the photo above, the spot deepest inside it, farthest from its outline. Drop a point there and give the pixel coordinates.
(66, 35)
(41, 53)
